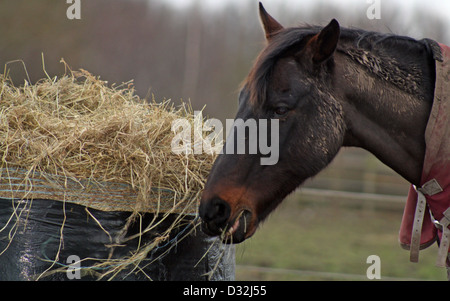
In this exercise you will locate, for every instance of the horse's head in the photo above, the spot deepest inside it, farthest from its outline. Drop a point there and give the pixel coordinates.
(291, 82)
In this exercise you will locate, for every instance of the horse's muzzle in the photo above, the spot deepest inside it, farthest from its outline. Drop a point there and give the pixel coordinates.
(215, 214)
(216, 219)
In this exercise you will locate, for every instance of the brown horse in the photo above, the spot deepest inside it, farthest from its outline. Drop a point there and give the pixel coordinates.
(329, 87)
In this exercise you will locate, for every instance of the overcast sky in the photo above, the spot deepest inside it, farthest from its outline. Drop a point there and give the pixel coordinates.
(406, 9)
(438, 7)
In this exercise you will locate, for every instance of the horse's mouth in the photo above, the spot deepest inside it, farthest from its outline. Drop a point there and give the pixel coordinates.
(240, 229)
(236, 230)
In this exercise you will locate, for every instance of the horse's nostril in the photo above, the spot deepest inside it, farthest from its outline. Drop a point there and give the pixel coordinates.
(217, 211)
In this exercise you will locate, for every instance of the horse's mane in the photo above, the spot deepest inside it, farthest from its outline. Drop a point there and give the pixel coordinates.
(391, 57)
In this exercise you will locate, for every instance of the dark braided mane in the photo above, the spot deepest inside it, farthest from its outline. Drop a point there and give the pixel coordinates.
(390, 57)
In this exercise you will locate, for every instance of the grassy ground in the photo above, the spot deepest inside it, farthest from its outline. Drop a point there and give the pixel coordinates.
(330, 241)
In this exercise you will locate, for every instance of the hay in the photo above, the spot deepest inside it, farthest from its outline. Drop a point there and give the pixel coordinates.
(84, 138)
(76, 139)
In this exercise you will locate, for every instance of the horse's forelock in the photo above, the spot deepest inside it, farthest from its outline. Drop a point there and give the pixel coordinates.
(259, 76)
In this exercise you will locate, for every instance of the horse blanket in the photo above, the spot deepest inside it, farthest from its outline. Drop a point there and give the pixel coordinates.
(427, 210)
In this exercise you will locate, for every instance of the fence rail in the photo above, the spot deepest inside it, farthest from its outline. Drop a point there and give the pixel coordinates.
(316, 274)
(332, 195)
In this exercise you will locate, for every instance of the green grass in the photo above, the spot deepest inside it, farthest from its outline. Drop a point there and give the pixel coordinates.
(330, 239)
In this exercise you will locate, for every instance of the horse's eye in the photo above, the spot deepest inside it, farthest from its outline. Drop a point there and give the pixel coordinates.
(281, 111)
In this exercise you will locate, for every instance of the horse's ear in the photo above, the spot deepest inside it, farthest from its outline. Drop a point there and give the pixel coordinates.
(271, 26)
(325, 42)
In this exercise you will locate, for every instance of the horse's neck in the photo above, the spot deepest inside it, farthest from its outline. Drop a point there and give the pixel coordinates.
(383, 119)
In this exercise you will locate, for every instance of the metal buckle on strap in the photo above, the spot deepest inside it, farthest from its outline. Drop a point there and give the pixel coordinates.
(431, 187)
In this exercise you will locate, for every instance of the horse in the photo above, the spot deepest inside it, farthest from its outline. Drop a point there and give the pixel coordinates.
(329, 87)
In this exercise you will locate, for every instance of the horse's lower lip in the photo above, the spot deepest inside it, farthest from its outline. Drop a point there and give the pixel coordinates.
(233, 228)
(237, 230)
(240, 228)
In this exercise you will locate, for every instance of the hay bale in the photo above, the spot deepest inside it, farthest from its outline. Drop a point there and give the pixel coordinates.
(75, 139)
